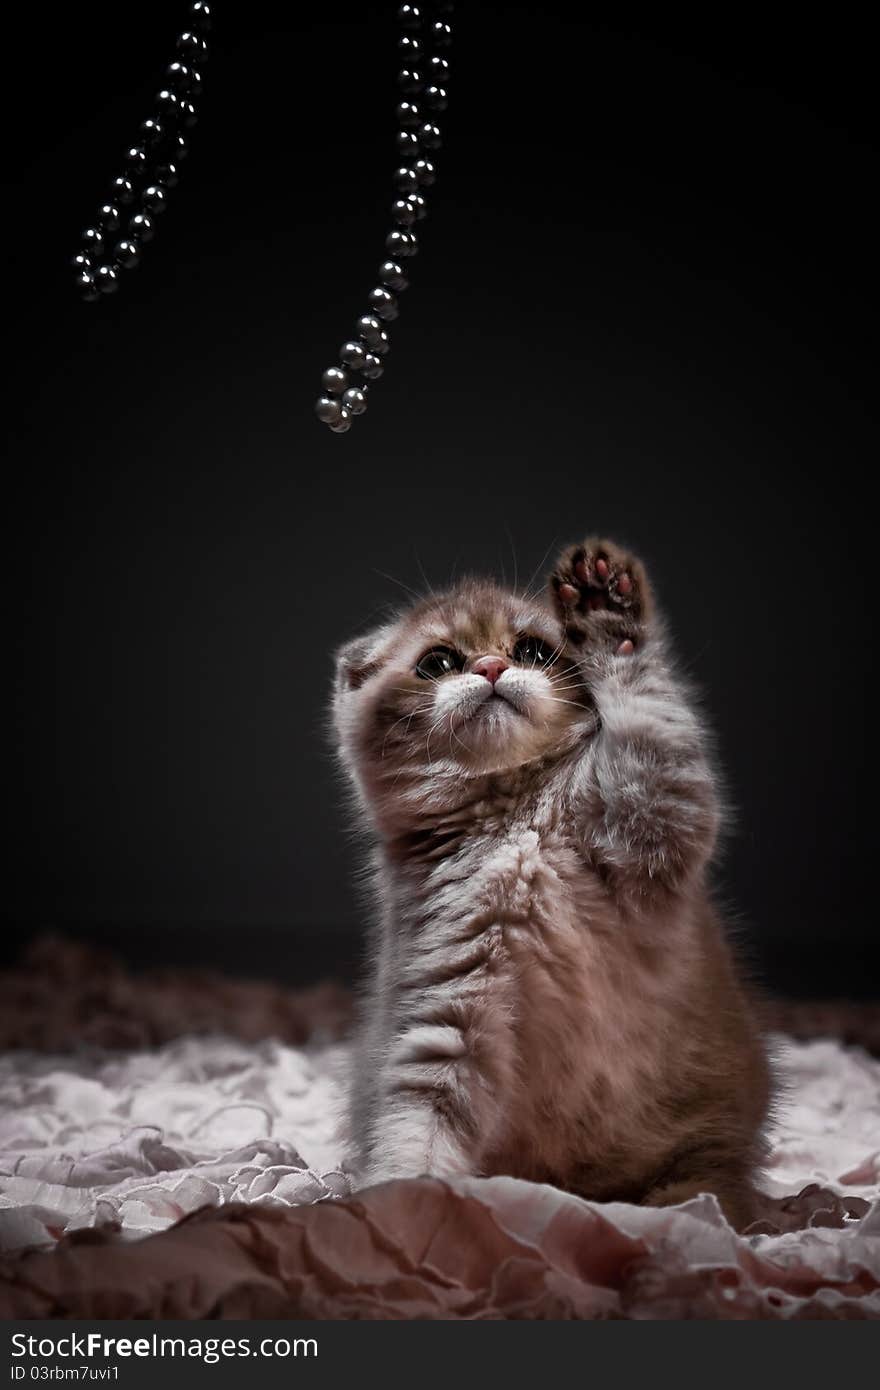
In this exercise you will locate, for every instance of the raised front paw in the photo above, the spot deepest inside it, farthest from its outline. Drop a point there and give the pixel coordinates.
(601, 596)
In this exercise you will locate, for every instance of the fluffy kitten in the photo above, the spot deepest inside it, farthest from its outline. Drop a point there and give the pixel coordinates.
(552, 996)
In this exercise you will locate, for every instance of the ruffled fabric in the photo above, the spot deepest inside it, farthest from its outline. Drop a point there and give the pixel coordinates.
(224, 1154)
(473, 1249)
(137, 1140)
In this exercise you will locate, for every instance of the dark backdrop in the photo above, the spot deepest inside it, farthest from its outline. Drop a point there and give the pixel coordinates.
(638, 309)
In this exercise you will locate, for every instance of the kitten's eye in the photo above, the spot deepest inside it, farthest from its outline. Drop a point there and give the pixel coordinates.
(531, 651)
(439, 661)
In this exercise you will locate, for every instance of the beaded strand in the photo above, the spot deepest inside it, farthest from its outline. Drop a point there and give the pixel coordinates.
(422, 82)
(150, 169)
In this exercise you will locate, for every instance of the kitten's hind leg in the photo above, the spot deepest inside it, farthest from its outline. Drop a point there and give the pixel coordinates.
(735, 1197)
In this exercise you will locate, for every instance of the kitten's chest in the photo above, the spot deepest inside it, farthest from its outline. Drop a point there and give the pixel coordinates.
(524, 883)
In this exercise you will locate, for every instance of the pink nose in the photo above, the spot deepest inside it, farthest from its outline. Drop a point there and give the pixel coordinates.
(490, 667)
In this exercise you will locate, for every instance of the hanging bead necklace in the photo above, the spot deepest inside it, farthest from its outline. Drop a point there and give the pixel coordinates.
(150, 169)
(426, 36)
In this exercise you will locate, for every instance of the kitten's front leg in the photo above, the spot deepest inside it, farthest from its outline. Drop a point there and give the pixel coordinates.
(647, 792)
(437, 1103)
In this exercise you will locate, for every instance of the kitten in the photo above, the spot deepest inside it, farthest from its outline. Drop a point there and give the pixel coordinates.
(551, 995)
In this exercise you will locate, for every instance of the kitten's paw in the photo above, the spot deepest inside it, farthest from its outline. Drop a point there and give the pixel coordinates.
(601, 596)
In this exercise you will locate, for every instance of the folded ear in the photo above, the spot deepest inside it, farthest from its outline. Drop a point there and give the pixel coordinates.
(358, 659)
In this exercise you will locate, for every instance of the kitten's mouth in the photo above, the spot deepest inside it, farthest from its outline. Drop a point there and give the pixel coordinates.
(494, 703)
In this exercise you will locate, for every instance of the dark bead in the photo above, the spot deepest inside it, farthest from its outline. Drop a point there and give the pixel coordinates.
(438, 69)
(178, 147)
(85, 283)
(409, 80)
(179, 75)
(152, 131)
(200, 16)
(328, 410)
(409, 48)
(406, 179)
(93, 242)
(343, 424)
(108, 216)
(403, 212)
(379, 346)
(369, 328)
(407, 143)
(127, 254)
(425, 172)
(420, 204)
(372, 368)
(355, 399)
(194, 85)
(408, 113)
(122, 190)
(168, 103)
(440, 33)
(391, 274)
(141, 227)
(82, 261)
(192, 47)
(435, 97)
(334, 381)
(135, 159)
(429, 136)
(107, 279)
(353, 355)
(383, 303)
(168, 175)
(409, 17)
(401, 243)
(189, 114)
(154, 198)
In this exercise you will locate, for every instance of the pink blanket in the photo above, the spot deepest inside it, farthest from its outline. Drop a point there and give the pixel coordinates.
(196, 1174)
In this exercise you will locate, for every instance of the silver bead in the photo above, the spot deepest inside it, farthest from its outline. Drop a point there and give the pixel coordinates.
(334, 381)
(438, 69)
(355, 399)
(403, 210)
(435, 97)
(343, 424)
(353, 354)
(425, 172)
(420, 205)
(369, 327)
(440, 33)
(406, 180)
(429, 136)
(372, 368)
(391, 274)
(327, 410)
(383, 303)
(401, 243)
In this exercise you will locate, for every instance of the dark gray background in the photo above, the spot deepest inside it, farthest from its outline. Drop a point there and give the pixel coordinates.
(639, 308)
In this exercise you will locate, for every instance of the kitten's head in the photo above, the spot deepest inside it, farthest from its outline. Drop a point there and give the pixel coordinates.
(466, 683)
